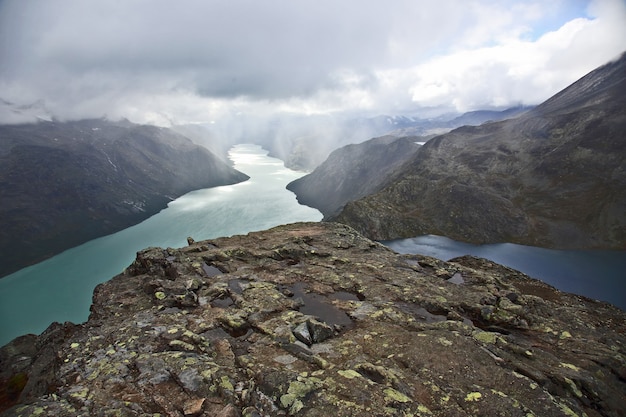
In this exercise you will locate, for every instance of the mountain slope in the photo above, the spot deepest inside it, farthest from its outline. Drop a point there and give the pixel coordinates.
(352, 172)
(62, 184)
(555, 176)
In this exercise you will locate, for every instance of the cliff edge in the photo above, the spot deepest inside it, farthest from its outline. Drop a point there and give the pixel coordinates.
(313, 319)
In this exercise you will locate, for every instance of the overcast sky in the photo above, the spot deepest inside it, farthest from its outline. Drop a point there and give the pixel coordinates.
(163, 61)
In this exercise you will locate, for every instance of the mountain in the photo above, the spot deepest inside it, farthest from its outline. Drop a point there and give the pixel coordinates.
(445, 123)
(304, 142)
(555, 176)
(62, 184)
(352, 172)
(313, 319)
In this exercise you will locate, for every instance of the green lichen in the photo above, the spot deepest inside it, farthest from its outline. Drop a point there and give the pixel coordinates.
(297, 391)
(180, 345)
(349, 373)
(573, 387)
(393, 395)
(473, 396)
(38, 411)
(485, 337)
(567, 411)
(160, 295)
(570, 366)
(444, 342)
(226, 384)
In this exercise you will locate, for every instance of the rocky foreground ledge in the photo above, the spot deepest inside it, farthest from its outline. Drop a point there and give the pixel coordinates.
(313, 319)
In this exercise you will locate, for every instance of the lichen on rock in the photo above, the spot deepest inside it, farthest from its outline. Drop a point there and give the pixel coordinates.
(234, 343)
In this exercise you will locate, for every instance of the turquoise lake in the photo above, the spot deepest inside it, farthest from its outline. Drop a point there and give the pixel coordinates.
(60, 288)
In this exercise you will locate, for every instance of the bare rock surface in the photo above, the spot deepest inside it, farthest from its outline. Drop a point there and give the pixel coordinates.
(212, 329)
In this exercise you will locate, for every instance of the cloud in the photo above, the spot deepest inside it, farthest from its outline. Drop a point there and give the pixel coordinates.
(193, 60)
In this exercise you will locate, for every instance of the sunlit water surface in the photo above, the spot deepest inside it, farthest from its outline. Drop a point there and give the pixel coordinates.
(60, 288)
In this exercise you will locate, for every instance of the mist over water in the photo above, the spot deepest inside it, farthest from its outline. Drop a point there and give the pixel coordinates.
(593, 273)
(60, 288)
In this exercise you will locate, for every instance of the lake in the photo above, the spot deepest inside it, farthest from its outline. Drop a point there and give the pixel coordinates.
(596, 274)
(60, 288)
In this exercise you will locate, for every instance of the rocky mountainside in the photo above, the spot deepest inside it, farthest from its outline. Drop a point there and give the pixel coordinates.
(352, 172)
(554, 176)
(313, 319)
(305, 142)
(62, 184)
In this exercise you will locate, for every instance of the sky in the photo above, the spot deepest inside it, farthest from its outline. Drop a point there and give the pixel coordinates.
(189, 61)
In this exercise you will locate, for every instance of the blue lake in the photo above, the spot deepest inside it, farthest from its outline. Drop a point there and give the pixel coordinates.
(599, 275)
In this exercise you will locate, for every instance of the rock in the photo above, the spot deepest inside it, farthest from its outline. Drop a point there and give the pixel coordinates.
(319, 331)
(193, 408)
(301, 331)
(419, 345)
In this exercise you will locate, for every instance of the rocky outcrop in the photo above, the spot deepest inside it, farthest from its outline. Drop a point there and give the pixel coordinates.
(352, 172)
(63, 184)
(313, 319)
(553, 177)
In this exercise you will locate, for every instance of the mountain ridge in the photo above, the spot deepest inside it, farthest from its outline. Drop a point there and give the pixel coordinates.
(553, 177)
(63, 184)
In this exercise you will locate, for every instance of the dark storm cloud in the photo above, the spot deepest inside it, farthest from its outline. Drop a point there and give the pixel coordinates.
(232, 48)
(153, 60)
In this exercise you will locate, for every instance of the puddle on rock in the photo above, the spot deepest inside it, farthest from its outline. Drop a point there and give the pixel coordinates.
(235, 286)
(346, 296)
(321, 306)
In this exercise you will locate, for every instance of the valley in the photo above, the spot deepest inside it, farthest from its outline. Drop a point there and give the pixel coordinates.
(553, 177)
(62, 184)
